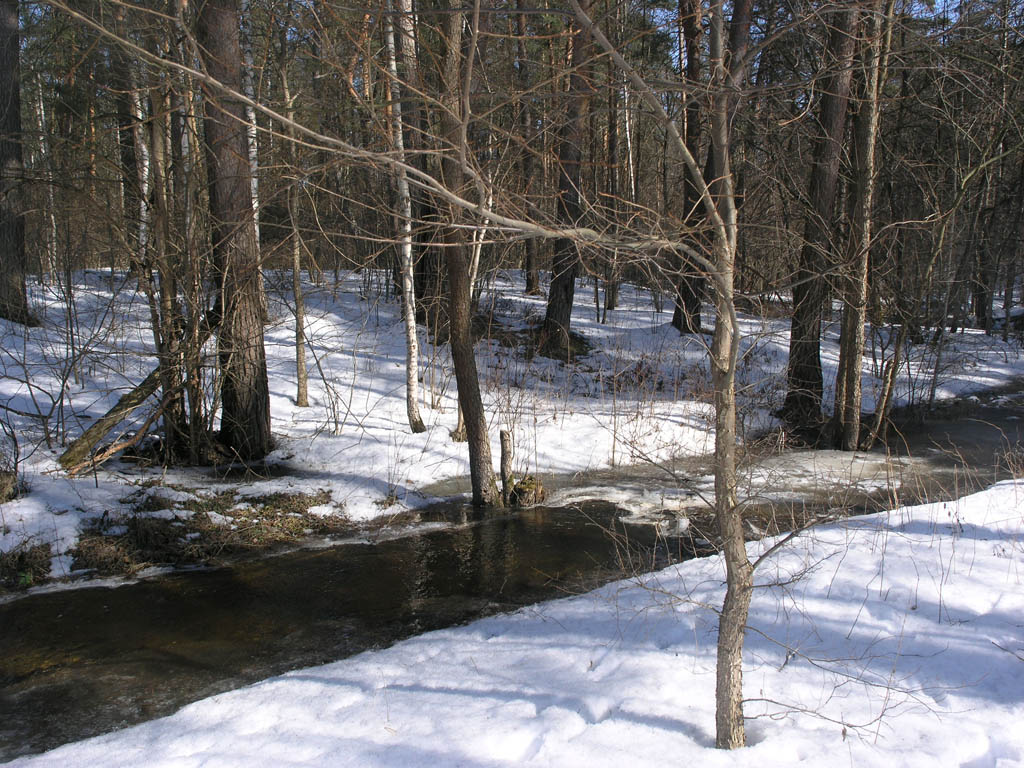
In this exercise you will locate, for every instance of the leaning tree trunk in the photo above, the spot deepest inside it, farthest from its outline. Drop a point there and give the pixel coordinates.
(13, 296)
(245, 397)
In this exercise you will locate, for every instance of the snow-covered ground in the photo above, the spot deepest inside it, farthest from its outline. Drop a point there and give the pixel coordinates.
(895, 639)
(890, 640)
(641, 394)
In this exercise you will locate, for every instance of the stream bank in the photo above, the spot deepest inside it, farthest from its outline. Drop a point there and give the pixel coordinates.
(81, 662)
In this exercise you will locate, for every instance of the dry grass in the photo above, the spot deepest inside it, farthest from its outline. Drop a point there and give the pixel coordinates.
(24, 566)
(207, 530)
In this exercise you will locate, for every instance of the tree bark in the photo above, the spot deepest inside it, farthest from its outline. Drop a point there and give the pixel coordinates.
(690, 283)
(412, 353)
(532, 245)
(245, 398)
(851, 353)
(13, 264)
(802, 406)
(726, 78)
(722, 215)
(297, 245)
(481, 469)
(565, 263)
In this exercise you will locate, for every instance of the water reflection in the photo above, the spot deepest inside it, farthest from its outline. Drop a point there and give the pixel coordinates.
(75, 664)
(83, 662)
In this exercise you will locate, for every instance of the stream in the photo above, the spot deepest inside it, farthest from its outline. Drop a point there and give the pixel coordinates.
(81, 662)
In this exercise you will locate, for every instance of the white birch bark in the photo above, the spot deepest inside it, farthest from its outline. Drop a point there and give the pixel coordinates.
(301, 375)
(46, 164)
(405, 241)
(628, 124)
(478, 241)
(142, 159)
(249, 89)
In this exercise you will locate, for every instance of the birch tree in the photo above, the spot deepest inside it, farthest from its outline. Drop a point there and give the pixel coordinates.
(405, 218)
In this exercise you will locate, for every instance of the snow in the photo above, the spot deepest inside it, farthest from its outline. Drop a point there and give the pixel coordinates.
(640, 395)
(894, 639)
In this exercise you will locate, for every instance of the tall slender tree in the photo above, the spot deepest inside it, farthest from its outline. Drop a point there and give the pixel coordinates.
(719, 204)
(455, 118)
(855, 289)
(690, 282)
(405, 239)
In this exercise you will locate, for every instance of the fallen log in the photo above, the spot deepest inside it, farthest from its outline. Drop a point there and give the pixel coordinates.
(106, 453)
(80, 449)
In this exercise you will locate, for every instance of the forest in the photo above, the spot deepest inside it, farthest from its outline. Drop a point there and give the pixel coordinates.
(850, 173)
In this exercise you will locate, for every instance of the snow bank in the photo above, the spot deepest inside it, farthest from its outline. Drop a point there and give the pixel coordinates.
(890, 640)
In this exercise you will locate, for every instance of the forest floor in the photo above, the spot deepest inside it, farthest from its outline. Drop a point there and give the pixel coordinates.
(890, 639)
(636, 392)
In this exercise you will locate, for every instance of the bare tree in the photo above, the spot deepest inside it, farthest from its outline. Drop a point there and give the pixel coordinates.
(690, 283)
(297, 243)
(721, 211)
(565, 262)
(455, 117)
(851, 351)
(529, 136)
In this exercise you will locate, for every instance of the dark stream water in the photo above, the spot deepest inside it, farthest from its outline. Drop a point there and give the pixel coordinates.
(76, 663)
(80, 662)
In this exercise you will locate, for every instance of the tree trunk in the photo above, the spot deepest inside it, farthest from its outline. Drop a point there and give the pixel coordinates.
(690, 283)
(167, 336)
(301, 375)
(565, 262)
(481, 469)
(13, 295)
(851, 356)
(730, 732)
(245, 398)
(412, 353)
(802, 406)
(532, 245)
(722, 216)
